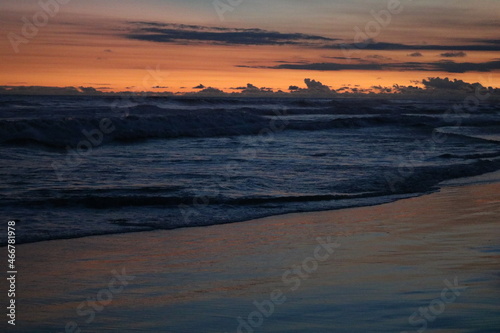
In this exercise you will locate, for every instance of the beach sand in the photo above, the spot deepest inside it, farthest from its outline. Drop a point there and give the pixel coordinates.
(430, 262)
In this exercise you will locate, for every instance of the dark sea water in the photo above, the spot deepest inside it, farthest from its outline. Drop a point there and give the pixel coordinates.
(79, 166)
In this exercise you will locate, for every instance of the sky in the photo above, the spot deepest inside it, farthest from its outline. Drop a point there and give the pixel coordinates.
(167, 45)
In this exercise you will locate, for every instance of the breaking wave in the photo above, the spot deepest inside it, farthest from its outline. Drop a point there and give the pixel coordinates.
(148, 122)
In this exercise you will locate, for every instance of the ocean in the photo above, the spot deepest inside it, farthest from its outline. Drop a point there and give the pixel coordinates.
(74, 166)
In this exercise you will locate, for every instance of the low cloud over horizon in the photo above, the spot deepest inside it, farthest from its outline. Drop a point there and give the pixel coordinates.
(460, 54)
(313, 88)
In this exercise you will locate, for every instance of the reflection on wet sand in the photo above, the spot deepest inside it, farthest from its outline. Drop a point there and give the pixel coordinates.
(391, 260)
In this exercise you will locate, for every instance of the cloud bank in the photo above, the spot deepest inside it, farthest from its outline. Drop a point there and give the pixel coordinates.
(454, 54)
(195, 34)
(439, 66)
(431, 86)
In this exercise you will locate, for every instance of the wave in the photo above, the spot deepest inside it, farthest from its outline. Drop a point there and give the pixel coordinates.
(147, 122)
(107, 202)
(18, 104)
(423, 179)
(486, 133)
(420, 180)
(70, 131)
(470, 156)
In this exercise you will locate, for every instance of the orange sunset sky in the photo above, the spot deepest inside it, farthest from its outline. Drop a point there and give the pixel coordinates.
(167, 45)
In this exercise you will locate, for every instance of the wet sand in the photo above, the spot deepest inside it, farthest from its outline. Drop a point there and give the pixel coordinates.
(431, 262)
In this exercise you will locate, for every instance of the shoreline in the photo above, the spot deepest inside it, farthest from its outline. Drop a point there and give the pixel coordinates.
(392, 260)
(111, 233)
(487, 178)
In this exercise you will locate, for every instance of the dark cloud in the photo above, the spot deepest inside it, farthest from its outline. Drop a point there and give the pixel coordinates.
(440, 66)
(463, 67)
(210, 91)
(72, 91)
(316, 86)
(377, 57)
(40, 90)
(490, 41)
(89, 90)
(188, 34)
(200, 86)
(252, 89)
(460, 54)
(197, 34)
(326, 66)
(432, 86)
(415, 54)
(295, 62)
(313, 89)
(488, 45)
(447, 84)
(382, 89)
(341, 58)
